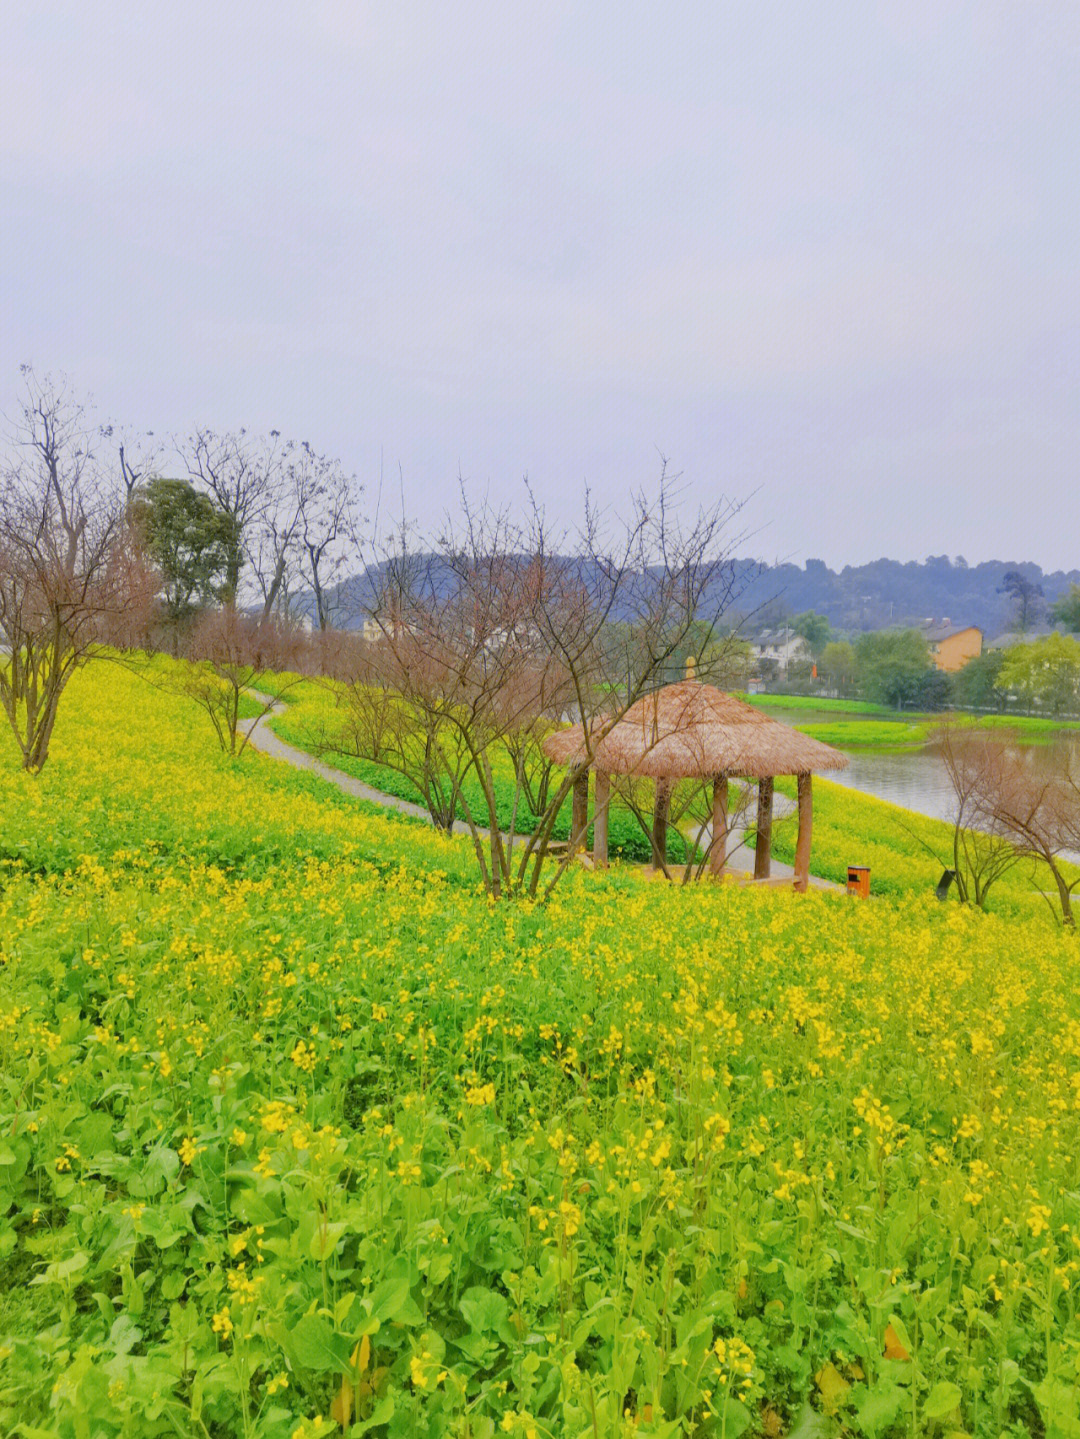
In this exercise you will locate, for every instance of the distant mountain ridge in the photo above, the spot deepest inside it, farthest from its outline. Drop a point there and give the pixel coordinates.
(873, 596)
(886, 592)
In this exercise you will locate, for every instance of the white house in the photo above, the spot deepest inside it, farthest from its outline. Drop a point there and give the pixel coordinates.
(774, 650)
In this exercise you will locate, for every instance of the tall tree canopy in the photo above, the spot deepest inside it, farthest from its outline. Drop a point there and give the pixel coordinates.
(190, 539)
(815, 630)
(1067, 610)
(892, 666)
(1026, 595)
(1045, 672)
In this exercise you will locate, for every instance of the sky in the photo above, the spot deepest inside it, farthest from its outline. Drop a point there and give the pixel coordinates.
(823, 259)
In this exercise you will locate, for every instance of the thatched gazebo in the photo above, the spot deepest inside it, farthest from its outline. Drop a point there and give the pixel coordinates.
(691, 730)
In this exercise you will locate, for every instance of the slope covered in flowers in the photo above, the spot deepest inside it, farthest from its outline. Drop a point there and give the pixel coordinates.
(299, 1134)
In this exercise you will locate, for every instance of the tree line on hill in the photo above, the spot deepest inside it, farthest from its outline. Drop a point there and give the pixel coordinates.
(887, 593)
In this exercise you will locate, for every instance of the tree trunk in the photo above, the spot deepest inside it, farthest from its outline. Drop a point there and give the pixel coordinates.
(275, 589)
(1065, 896)
(806, 823)
(600, 822)
(718, 853)
(37, 749)
(579, 814)
(661, 809)
(232, 576)
(763, 845)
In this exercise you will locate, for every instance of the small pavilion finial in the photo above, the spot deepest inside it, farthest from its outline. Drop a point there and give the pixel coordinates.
(691, 668)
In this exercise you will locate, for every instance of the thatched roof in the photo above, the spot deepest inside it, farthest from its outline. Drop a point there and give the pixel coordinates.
(693, 730)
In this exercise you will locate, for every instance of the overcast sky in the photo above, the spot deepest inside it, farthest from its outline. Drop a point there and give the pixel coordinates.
(824, 255)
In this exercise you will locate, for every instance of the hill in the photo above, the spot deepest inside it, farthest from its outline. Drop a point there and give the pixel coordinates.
(859, 597)
(886, 592)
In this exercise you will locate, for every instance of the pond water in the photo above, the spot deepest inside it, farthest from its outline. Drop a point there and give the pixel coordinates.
(916, 778)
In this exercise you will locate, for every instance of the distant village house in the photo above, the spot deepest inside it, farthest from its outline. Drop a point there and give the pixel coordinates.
(952, 647)
(773, 651)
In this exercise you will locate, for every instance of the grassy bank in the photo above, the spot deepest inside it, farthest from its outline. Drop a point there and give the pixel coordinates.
(821, 705)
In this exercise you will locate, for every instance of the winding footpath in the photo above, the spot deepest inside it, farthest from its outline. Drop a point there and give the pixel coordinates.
(262, 738)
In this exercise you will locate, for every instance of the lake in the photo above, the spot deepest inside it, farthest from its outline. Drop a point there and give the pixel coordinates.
(916, 778)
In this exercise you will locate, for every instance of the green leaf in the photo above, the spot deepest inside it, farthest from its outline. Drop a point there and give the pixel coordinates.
(124, 1335)
(809, 1424)
(381, 1414)
(324, 1240)
(941, 1400)
(878, 1407)
(391, 1302)
(172, 1285)
(63, 1269)
(735, 1418)
(1058, 1403)
(484, 1311)
(317, 1347)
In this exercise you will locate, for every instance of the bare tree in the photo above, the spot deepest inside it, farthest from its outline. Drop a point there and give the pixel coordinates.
(60, 567)
(133, 583)
(327, 531)
(416, 740)
(138, 455)
(980, 770)
(293, 511)
(1006, 809)
(290, 513)
(496, 630)
(243, 474)
(1040, 813)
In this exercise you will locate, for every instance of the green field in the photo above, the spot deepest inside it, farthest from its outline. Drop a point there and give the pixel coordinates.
(822, 706)
(844, 722)
(301, 1134)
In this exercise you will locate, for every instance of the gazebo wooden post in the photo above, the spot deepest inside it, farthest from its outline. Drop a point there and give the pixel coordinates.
(762, 856)
(718, 853)
(601, 800)
(806, 824)
(579, 813)
(660, 823)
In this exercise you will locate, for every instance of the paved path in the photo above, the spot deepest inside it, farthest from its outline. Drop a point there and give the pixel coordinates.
(263, 738)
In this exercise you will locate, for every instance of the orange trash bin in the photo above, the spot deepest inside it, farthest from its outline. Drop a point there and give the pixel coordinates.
(858, 880)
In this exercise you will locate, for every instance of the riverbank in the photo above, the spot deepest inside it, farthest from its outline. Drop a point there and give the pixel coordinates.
(842, 710)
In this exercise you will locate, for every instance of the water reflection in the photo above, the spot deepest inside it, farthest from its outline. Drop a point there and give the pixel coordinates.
(917, 779)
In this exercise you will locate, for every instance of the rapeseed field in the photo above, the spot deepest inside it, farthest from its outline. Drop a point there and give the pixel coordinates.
(300, 1134)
